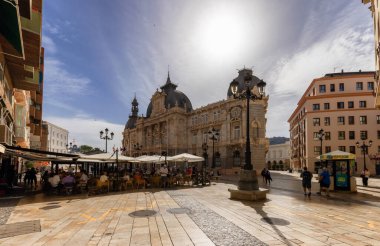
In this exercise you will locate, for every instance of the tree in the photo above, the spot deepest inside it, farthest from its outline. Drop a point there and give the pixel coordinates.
(85, 148)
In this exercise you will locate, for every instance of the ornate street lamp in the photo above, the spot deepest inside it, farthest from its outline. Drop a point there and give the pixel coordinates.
(214, 136)
(204, 164)
(364, 148)
(248, 179)
(106, 137)
(71, 148)
(321, 134)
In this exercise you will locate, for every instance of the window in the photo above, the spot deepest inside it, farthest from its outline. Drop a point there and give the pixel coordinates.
(378, 134)
(327, 149)
(350, 104)
(341, 135)
(359, 86)
(378, 119)
(341, 120)
(322, 88)
(327, 136)
(327, 121)
(351, 135)
(370, 86)
(352, 149)
(236, 132)
(340, 105)
(332, 87)
(316, 106)
(316, 135)
(326, 106)
(351, 120)
(363, 120)
(342, 148)
(341, 86)
(194, 138)
(362, 104)
(363, 135)
(316, 122)
(317, 150)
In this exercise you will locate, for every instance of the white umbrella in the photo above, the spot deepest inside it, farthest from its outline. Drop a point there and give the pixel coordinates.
(108, 157)
(186, 157)
(151, 158)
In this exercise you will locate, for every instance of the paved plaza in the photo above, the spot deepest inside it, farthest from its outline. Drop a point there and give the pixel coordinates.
(197, 216)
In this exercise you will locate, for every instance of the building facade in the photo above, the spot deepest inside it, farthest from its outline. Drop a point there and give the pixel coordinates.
(171, 125)
(278, 156)
(342, 104)
(54, 138)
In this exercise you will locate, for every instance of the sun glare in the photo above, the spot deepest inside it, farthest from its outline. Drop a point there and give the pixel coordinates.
(221, 33)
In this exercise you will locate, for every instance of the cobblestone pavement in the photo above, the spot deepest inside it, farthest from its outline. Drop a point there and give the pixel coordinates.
(7, 205)
(285, 218)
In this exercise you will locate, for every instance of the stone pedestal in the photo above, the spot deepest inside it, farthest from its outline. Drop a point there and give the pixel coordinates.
(248, 187)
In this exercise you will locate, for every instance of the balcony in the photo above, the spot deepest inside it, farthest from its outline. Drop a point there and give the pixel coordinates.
(5, 135)
(22, 136)
(38, 115)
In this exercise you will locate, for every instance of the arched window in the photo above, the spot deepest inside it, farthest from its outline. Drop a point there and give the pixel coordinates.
(236, 158)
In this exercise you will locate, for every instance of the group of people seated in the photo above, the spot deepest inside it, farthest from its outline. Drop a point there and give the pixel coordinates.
(64, 182)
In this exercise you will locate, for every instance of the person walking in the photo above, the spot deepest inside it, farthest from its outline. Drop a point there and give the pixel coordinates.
(268, 177)
(324, 180)
(365, 176)
(263, 173)
(306, 181)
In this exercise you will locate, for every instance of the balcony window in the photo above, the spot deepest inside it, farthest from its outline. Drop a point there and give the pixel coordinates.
(340, 105)
(316, 122)
(363, 135)
(317, 150)
(327, 136)
(359, 86)
(378, 119)
(341, 120)
(363, 120)
(332, 87)
(327, 149)
(341, 86)
(341, 135)
(326, 106)
(370, 86)
(236, 132)
(327, 121)
(351, 135)
(342, 148)
(352, 149)
(362, 104)
(351, 120)
(322, 88)
(316, 106)
(350, 104)
(316, 135)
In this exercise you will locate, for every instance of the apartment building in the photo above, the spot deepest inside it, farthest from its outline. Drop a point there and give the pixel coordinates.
(342, 105)
(278, 155)
(54, 138)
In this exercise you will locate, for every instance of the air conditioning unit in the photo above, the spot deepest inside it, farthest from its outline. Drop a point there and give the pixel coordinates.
(5, 135)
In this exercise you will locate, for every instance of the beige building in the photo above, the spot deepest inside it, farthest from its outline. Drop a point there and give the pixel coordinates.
(54, 138)
(278, 156)
(171, 125)
(342, 104)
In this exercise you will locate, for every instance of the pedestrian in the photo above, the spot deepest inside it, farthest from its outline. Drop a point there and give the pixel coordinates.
(33, 178)
(306, 181)
(164, 175)
(263, 173)
(324, 180)
(268, 177)
(365, 176)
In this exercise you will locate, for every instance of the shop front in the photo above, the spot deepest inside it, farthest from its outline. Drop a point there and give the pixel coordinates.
(341, 166)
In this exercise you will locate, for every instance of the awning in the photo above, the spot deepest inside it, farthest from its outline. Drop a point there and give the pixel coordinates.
(337, 155)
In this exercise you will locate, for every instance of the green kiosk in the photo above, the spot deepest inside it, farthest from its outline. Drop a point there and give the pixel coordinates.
(341, 166)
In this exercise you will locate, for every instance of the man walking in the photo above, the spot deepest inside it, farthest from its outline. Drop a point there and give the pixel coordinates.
(306, 181)
(324, 179)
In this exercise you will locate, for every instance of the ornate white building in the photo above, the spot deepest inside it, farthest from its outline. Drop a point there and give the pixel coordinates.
(171, 125)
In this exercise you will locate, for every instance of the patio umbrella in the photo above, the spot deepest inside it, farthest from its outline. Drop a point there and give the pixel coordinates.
(337, 155)
(186, 157)
(151, 158)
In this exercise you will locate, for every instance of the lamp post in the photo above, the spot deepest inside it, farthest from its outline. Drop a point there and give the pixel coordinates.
(137, 147)
(214, 136)
(106, 137)
(321, 134)
(204, 164)
(248, 179)
(71, 148)
(364, 148)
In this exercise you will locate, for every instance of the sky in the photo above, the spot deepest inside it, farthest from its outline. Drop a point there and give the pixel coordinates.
(99, 54)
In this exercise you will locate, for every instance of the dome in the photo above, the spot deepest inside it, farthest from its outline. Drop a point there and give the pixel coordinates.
(131, 123)
(173, 97)
(240, 78)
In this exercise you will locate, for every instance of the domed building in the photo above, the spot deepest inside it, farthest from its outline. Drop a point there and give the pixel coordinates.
(171, 125)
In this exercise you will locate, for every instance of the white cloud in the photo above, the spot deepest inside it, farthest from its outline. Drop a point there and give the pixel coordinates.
(61, 82)
(85, 131)
(49, 44)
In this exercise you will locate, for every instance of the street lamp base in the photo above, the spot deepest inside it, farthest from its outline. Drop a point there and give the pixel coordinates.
(248, 180)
